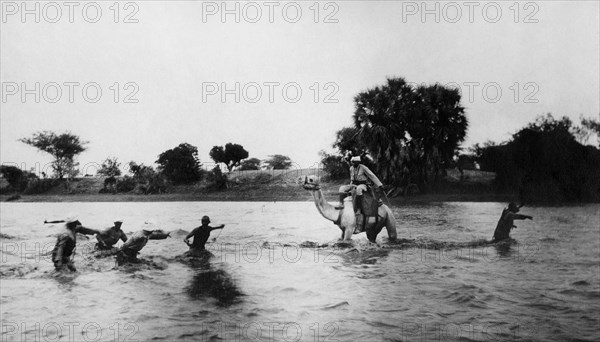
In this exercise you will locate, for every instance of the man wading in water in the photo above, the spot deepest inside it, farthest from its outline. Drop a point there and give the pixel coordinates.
(110, 236)
(66, 242)
(201, 235)
(506, 222)
(130, 249)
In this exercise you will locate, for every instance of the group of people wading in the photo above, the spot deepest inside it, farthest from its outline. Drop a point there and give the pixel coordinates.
(363, 182)
(107, 238)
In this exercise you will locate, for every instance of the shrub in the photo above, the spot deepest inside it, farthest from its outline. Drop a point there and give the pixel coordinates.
(334, 166)
(216, 179)
(39, 186)
(125, 184)
(16, 178)
(250, 164)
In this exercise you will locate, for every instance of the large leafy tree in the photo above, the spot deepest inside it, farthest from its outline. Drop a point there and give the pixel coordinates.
(231, 155)
(180, 164)
(545, 162)
(381, 117)
(410, 132)
(63, 148)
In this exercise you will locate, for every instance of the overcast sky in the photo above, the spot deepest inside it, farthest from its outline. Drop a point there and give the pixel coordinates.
(543, 56)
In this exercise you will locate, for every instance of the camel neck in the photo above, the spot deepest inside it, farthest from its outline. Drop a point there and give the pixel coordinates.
(327, 210)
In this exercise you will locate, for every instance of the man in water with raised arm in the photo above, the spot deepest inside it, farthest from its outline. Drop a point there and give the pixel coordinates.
(66, 242)
(360, 177)
(130, 249)
(110, 236)
(200, 235)
(506, 222)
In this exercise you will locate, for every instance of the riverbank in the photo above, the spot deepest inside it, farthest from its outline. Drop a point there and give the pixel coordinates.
(234, 196)
(277, 185)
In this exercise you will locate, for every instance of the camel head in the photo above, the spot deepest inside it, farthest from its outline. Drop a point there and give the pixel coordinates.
(310, 183)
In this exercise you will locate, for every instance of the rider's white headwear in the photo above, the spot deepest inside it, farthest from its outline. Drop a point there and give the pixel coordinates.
(71, 218)
(355, 159)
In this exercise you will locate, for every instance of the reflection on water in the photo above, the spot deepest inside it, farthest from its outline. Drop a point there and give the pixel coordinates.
(277, 274)
(214, 283)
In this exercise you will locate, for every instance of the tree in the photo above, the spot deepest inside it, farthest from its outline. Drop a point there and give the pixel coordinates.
(63, 148)
(407, 128)
(17, 179)
(250, 164)
(544, 161)
(216, 179)
(589, 128)
(180, 164)
(278, 162)
(348, 141)
(110, 168)
(231, 155)
(147, 179)
(335, 166)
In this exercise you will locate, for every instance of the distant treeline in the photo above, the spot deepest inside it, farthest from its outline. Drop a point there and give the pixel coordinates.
(545, 162)
(177, 166)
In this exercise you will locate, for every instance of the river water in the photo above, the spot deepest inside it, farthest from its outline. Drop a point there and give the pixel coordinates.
(276, 274)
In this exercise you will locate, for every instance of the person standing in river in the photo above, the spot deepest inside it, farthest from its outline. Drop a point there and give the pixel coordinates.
(110, 236)
(506, 222)
(130, 249)
(200, 235)
(66, 243)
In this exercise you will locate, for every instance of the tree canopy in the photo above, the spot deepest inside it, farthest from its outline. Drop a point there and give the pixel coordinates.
(544, 162)
(63, 148)
(180, 164)
(231, 155)
(411, 132)
(250, 164)
(278, 162)
(110, 168)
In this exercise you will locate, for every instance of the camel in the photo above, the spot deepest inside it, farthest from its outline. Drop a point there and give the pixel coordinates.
(346, 218)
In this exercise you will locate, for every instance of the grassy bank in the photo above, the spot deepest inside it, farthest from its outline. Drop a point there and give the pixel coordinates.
(275, 185)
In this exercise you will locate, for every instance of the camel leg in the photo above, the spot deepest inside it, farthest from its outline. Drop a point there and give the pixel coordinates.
(390, 225)
(349, 230)
(374, 230)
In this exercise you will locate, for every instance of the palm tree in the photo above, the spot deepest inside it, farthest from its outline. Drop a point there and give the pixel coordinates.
(402, 126)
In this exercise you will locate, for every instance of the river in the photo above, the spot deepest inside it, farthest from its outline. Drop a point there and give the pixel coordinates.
(277, 275)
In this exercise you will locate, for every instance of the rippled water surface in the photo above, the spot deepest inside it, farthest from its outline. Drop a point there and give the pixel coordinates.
(277, 275)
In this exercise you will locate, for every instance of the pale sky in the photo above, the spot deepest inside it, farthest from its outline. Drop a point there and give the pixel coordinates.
(547, 61)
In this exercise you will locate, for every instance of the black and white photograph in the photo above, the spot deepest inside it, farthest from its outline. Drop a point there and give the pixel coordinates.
(304, 170)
